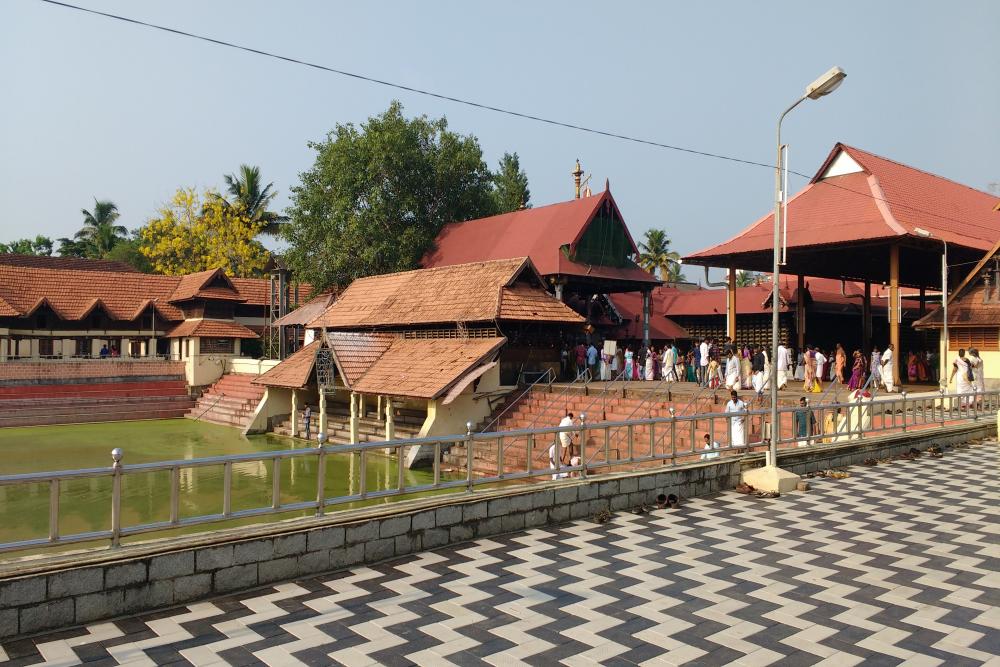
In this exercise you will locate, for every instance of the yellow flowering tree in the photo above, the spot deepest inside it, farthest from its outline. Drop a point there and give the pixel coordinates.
(195, 233)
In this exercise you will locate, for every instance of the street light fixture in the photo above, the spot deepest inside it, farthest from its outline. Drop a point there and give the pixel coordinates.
(943, 365)
(821, 87)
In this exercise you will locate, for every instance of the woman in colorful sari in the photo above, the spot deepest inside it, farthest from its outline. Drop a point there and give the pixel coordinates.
(911, 367)
(840, 363)
(650, 374)
(857, 372)
(629, 363)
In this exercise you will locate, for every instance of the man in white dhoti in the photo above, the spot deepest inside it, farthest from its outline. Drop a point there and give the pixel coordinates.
(757, 371)
(888, 377)
(732, 370)
(737, 422)
(564, 451)
(711, 450)
(784, 357)
(961, 370)
(820, 364)
(669, 360)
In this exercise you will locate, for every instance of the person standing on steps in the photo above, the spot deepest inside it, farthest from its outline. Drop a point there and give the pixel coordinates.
(738, 421)
(561, 449)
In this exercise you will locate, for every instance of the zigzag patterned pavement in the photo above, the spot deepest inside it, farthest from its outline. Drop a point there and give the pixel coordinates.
(896, 565)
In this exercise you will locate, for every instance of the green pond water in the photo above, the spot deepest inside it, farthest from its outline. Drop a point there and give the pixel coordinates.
(85, 505)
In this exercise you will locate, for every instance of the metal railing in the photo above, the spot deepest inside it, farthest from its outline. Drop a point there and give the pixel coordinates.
(851, 420)
(548, 377)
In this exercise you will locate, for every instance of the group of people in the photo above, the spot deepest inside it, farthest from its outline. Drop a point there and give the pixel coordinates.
(968, 373)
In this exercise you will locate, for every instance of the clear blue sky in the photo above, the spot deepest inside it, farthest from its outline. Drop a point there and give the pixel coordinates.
(93, 107)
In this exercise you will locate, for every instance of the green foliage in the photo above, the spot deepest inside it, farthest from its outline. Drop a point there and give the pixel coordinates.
(747, 278)
(510, 185)
(196, 233)
(128, 252)
(40, 245)
(99, 233)
(655, 255)
(245, 192)
(378, 194)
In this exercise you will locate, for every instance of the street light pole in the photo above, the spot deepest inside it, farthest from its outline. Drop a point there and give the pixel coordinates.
(824, 85)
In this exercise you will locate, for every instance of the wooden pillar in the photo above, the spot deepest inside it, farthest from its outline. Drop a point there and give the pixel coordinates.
(354, 417)
(800, 312)
(731, 306)
(295, 412)
(390, 420)
(866, 320)
(923, 305)
(321, 426)
(894, 310)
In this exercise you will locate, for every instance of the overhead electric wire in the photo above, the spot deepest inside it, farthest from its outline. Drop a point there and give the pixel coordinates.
(477, 105)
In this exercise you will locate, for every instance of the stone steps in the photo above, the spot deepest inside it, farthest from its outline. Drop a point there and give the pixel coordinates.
(84, 406)
(89, 417)
(231, 401)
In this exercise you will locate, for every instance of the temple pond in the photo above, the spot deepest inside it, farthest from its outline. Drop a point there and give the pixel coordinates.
(85, 504)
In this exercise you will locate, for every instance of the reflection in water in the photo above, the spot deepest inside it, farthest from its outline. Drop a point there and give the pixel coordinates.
(85, 503)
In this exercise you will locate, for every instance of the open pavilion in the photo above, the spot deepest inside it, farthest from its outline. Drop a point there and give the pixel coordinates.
(860, 218)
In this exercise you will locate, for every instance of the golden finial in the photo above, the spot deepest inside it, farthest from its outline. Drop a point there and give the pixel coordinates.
(577, 174)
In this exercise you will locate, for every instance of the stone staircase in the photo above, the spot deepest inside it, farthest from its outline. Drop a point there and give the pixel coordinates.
(41, 404)
(370, 428)
(544, 409)
(231, 401)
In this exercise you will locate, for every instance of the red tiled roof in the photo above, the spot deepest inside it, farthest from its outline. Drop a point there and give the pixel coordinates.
(539, 233)
(293, 372)
(885, 200)
(199, 286)
(629, 306)
(425, 367)
(72, 263)
(966, 303)
(355, 353)
(72, 293)
(210, 329)
(463, 293)
(308, 311)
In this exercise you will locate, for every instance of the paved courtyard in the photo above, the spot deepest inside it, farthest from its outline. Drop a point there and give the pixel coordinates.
(897, 564)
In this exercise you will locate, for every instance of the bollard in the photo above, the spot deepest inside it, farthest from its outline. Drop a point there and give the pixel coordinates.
(583, 441)
(116, 496)
(468, 451)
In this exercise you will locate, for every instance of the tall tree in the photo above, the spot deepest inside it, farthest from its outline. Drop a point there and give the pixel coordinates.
(655, 255)
(40, 245)
(378, 194)
(511, 185)
(99, 232)
(245, 191)
(196, 233)
(747, 278)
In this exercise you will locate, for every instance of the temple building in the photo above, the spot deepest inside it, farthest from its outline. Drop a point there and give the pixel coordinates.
(62, 309)
(436, 347)
(868, 219)
(973, 317)
(582, 248)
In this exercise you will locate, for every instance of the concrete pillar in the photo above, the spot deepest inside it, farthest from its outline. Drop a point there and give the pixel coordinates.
(866, 320)
(731, 305)
(321, 425)
(361, 406)
(34, 348)
(894, 310)
(390, 420)
(126, 347)
(559, 291)
(355, 402)
(295, 412)
(647, 298)
(800, 311)
(3, 348)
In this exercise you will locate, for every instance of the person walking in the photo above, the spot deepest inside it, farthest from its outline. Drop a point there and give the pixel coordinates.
(703, 362)
(840, 363)
(876, 367)
(857, 371)
(804, 422)
(562, 452)
(757, 363)
(650, 364)
(887, 373)
(784, 361)
(732, 370)
(966, 376)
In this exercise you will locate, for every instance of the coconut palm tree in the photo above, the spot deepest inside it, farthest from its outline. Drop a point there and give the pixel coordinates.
(747, 278)
(245, 191)
(655, 255)
(100, 233)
